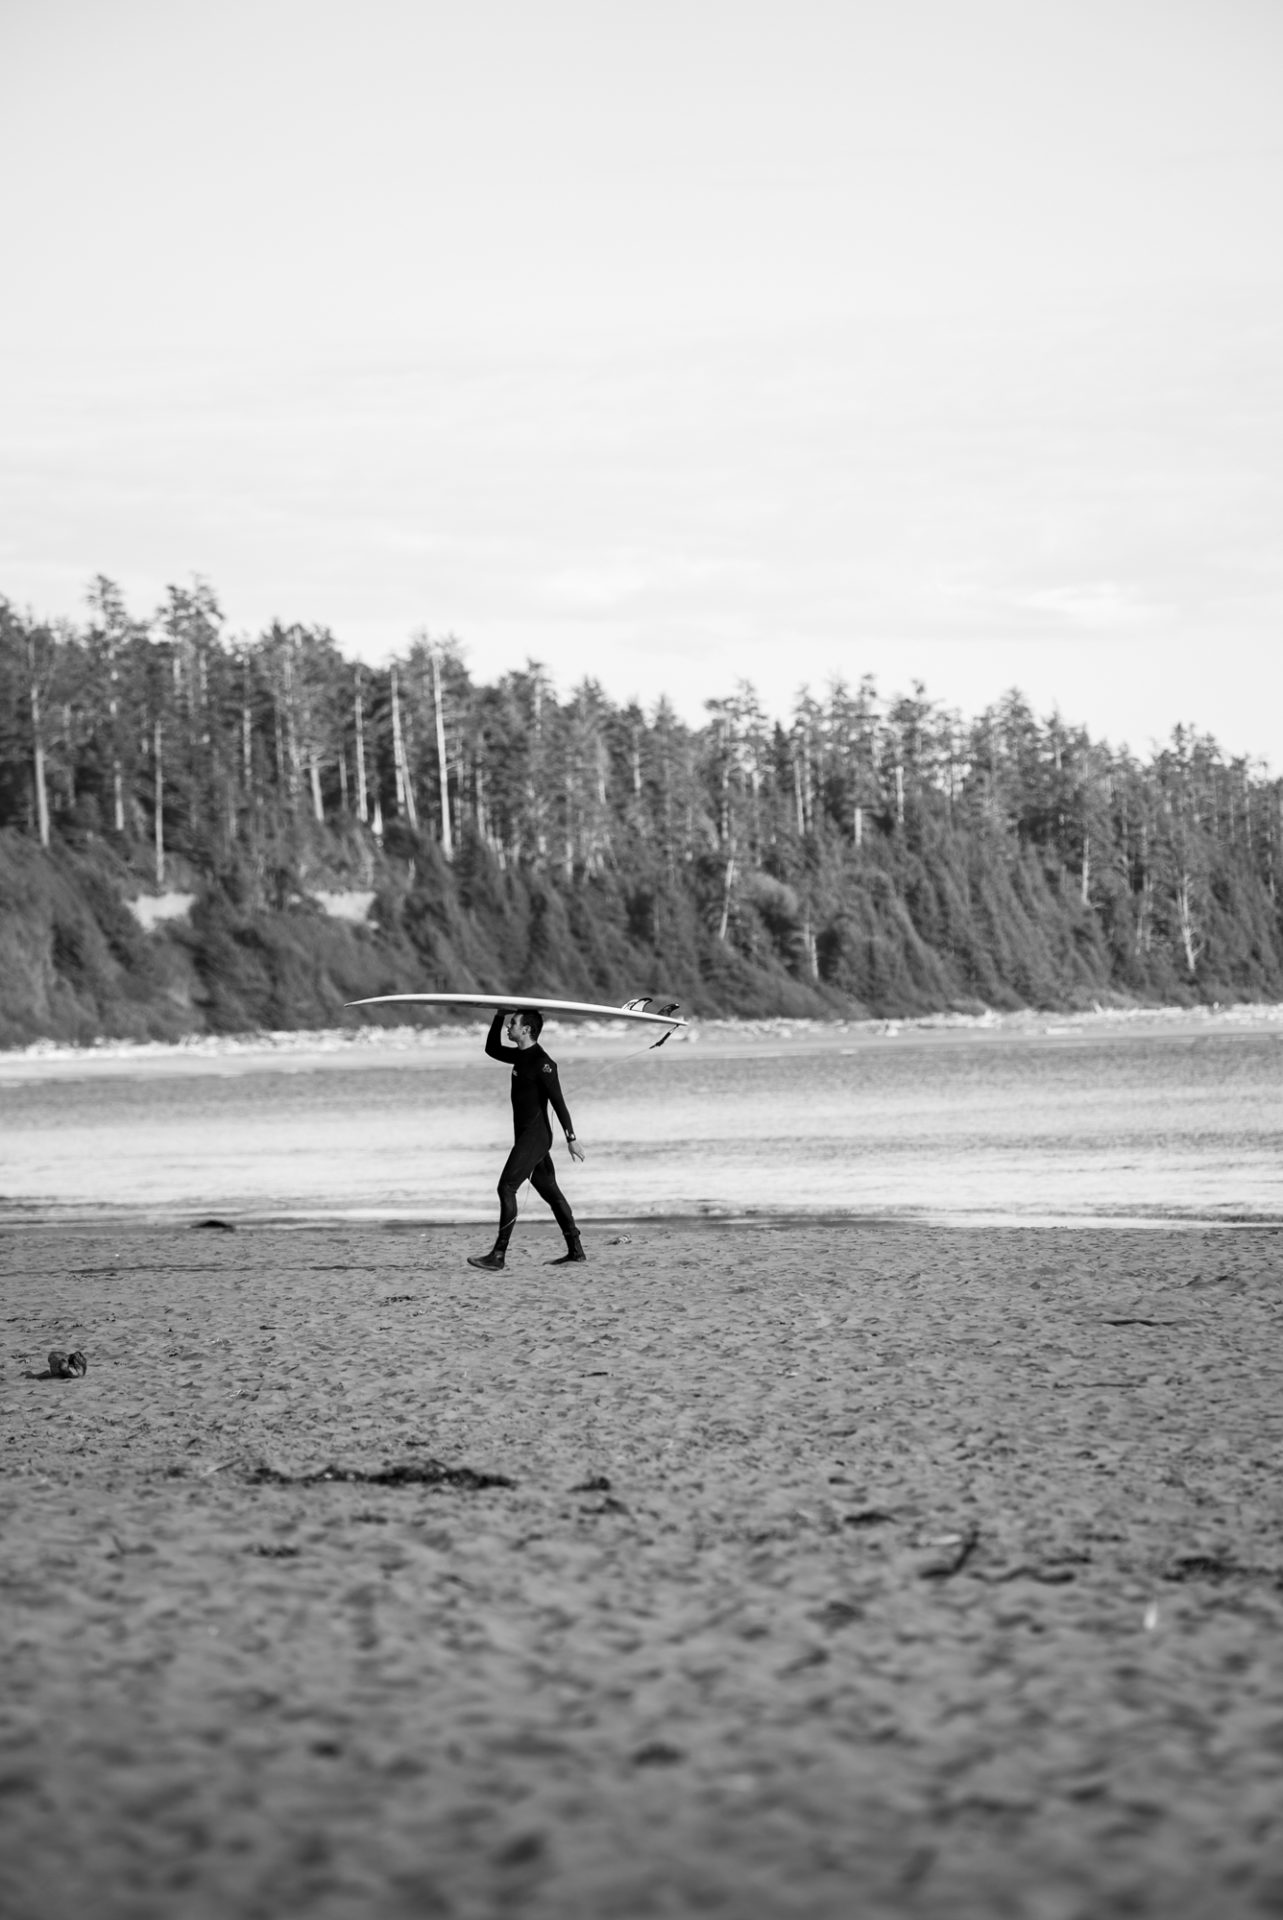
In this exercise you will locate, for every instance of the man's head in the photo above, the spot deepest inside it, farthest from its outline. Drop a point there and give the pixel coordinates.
(525, 1026)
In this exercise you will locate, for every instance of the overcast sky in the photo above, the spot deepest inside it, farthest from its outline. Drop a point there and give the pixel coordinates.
(672, 344)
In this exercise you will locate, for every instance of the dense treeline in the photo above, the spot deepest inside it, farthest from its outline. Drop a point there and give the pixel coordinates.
(867, 855)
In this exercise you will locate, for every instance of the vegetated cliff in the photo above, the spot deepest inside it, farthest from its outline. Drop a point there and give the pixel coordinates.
(76, 965)
(901, 930)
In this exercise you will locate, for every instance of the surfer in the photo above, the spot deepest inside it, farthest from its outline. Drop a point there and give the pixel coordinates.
(534, 1086)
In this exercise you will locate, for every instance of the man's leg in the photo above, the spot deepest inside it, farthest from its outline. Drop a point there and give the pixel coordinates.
(519, 1166)
(543, 1179)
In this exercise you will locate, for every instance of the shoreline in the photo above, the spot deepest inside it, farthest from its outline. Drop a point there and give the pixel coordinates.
(333, 1043)
(389, 1220)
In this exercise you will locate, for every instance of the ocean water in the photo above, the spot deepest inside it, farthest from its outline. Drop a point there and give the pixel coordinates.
(1097, 1119)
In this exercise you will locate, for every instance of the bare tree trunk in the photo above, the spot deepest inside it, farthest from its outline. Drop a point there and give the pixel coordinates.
(755, 808)
(247, 740)
(206, 733)
(362, 808)
(1086, 888)
(38, 752)
(808, 947)
(1146, 894)
(481, 816)
(726, 895)
(443, 771)
(68, 734)
(857, 822)
(569, 842)
(318, 811)
(291, 729)
(398, 754)
(113, 713)
(158, 769)
(1185, 917)
(404, 790)
(534, 783)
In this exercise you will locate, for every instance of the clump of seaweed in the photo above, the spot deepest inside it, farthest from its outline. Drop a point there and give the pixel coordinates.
(411, 1473)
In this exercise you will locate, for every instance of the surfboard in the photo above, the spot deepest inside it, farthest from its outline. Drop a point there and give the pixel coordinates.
(525, 1003)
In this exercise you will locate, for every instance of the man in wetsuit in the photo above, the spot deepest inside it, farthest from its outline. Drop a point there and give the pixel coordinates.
(534, 1084)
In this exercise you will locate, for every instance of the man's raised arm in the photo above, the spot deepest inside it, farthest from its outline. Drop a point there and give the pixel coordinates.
(494, 1045)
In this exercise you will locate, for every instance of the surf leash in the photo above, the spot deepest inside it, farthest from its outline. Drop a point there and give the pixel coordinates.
(634, 1006)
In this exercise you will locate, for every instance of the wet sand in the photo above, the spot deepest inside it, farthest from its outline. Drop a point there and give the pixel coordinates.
(871, 1570)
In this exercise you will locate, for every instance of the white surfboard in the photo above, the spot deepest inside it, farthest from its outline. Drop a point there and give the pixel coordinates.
(525, 1003)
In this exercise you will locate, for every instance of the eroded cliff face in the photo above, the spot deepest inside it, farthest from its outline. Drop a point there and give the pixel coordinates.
(77, 963)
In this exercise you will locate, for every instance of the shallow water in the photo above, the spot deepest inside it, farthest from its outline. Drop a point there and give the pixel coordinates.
(1168, 1119)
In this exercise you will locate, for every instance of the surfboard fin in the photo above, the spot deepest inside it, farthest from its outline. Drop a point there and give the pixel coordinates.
(646, 1004)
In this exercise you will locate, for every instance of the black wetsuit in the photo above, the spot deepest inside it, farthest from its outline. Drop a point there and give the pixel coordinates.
(534, 1086)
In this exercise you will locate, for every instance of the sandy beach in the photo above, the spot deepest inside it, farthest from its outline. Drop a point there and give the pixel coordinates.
(759, 1571)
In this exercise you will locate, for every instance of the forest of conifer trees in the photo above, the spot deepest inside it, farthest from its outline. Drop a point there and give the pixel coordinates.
(866, 855)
